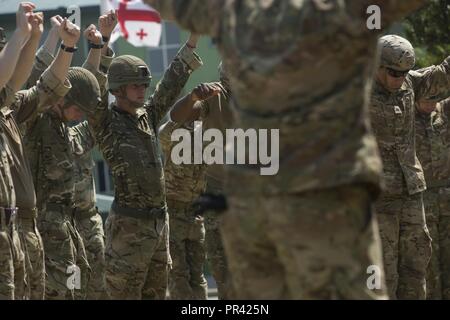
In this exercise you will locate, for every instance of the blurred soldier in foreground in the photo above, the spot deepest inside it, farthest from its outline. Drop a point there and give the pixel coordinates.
(302, 67)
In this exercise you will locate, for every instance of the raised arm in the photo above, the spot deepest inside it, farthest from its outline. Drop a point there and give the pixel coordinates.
(53, 84)
(174, 80)
(26, 58)
(99, 67)
(188, 108)
(434, 81)
(11, 52)
(46, 53)
(94, 38)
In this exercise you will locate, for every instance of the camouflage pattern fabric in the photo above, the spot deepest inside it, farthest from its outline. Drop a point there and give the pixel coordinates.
(433, 145)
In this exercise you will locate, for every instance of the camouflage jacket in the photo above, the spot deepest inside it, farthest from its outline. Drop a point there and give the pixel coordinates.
(19, 110)
(52, 158)
(129, 143)
(392, 116)
(302, 67)
(433, 145)
(184, 182)
(7, 191)
(82, 143)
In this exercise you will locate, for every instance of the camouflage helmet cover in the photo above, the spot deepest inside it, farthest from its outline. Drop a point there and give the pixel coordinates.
(85, 91)
(128, 69)
(396, 53)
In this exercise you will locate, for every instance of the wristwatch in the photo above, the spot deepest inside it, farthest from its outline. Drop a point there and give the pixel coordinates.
(68, 49)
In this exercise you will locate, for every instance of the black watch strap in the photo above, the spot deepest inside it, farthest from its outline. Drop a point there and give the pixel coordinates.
(68, 49)
(105, 39)
(95, 46)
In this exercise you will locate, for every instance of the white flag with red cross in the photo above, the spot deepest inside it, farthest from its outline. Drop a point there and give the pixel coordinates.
(139, 23)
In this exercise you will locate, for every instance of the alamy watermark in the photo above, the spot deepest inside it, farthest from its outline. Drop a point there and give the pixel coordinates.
(242, 147)
(74, 280)
(374, 281)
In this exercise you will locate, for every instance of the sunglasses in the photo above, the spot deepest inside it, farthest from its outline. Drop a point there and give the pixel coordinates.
(396, 74)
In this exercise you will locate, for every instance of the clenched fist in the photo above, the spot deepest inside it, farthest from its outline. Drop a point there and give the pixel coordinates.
(24, 17)
(69, 33)
(205, 91)
(107, 23)
(37, 24)
(93, 35)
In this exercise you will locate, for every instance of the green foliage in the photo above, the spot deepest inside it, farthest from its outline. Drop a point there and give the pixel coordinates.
(429, 31)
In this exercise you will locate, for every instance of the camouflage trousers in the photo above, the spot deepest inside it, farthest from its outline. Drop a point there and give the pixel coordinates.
(137, 257)
(406, 244)
(66, 264)
(33, 248)
(6, 259)
(90, 226)
(187, 250)
(437, 212)
(314, 245)
(215, 253)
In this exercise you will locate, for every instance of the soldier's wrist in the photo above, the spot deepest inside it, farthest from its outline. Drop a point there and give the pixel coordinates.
(67, 47)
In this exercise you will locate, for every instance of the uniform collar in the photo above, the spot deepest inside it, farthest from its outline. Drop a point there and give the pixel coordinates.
(139, 112)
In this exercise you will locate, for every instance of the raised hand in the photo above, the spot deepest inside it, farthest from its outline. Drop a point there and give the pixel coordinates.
(93, 35)
(69, 33)
(24, 16)
(56, 21)
(107, 23)
(205, 91)
(37, 24)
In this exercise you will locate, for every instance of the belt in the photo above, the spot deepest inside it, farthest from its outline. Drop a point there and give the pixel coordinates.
(139, 213)
(8, 215)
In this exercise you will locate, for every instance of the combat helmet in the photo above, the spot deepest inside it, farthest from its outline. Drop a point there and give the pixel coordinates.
(85, 91)
(396, 53)
(2, 38)
(128, 69)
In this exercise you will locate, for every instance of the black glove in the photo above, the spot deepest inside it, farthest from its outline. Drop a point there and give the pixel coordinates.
(210, 202)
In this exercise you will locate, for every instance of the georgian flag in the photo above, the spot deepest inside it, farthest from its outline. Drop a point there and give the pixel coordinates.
(139, 23)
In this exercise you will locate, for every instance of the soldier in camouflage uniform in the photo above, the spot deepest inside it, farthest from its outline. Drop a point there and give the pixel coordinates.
(87, 218)
(18, 110)
(137, 244)
(433, 148)
(302, 67)
(7, 209)
(52, 160)
(21, 48)
(7, 222)
(218, 115)
(184, 183)
(405, 237)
